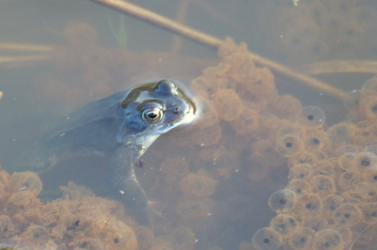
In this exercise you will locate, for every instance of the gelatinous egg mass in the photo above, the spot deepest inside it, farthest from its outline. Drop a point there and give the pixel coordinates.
(266, 239)
(328, 239)
(302, 238)
(289, 145)
(284, 224)
(370, 86)
(352, 99)
(347, 215)
(282, 200)
(311, 117)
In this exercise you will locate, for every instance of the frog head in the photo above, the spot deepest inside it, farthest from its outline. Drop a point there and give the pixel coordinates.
(151, 110)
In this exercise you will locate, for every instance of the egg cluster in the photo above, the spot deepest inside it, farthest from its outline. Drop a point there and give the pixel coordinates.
(239, 115)
(330, 201)
(78, 221)
(245, 98)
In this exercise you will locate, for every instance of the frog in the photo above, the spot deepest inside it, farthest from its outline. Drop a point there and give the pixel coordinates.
(123, 125)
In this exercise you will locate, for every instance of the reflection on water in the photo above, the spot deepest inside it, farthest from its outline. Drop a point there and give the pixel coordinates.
(256, 170)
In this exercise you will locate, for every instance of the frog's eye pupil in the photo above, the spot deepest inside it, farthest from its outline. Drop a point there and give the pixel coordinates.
(152, 115)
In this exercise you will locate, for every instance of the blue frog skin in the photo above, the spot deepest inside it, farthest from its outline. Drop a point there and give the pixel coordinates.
(122, 125)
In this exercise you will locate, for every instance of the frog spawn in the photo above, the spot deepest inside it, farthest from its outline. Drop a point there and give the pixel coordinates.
(230, 82)
(77, 220)
(328, 168)
(340, 189)
(318, 159)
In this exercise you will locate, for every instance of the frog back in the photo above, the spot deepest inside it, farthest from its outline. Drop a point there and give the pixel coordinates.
(89, 130)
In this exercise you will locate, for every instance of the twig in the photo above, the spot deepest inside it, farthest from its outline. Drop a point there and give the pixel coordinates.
(358, 236)
(331, 67)
(214, 42)
(12, 59)
(163, 22)
(181, 18)
(25, 47)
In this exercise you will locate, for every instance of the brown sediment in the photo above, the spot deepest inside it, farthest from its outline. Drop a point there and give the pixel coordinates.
(331, 67)
(215, 43)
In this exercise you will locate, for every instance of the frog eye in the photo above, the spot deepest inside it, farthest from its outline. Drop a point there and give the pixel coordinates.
(152, 115)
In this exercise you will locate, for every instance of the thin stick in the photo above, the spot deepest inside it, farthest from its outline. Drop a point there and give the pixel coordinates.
(331, 67)
(181, 18)
(214, 42)
(25, 47)
(306, 80)
(12, 59)
(358, 236)
(163, 22)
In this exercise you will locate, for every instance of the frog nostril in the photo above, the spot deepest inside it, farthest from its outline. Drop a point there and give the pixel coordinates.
(176, 110)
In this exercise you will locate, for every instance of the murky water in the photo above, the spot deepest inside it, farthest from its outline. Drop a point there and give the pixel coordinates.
(210, 183)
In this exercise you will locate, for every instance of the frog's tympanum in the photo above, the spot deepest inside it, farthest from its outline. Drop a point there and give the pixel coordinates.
(122, 125)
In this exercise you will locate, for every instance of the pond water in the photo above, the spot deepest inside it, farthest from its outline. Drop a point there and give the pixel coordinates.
(211, 184)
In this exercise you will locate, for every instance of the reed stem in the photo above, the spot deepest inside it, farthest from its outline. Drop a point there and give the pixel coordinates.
(213, 42)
